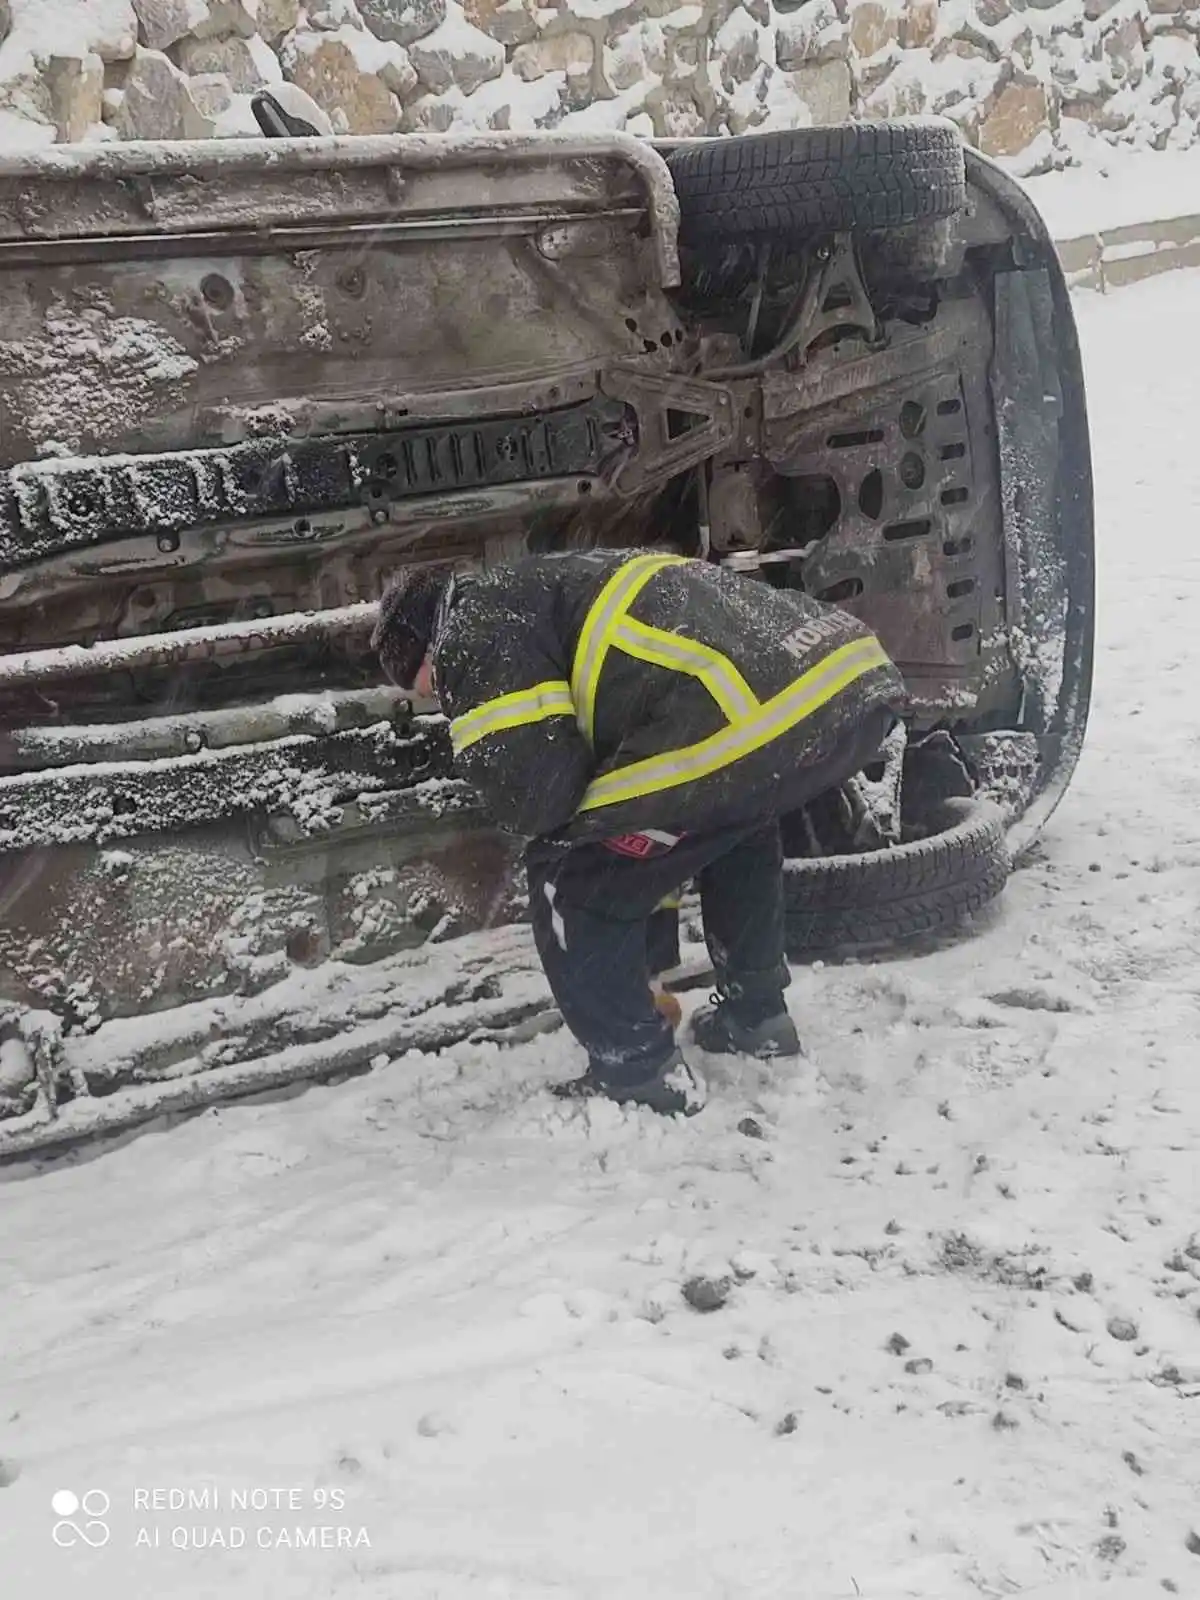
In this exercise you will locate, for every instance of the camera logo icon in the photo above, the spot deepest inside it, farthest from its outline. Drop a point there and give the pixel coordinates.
(92, 1506)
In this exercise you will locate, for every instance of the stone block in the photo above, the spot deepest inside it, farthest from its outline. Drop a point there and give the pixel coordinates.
(356, 100)
(810, 36)
(457, 55)
(1015, 118)
(76, 87)
(157, 100)
(512, 22)
(572, 53)
(872, 28)
(402, 21)
(825, 88)
(249, 64)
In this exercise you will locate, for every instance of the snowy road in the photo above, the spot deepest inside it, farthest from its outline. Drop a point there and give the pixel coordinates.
(960, 1354)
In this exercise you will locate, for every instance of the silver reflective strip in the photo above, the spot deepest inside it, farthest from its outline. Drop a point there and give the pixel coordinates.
(719, 676)
(596, 637)
(808, 694)
(550, 699)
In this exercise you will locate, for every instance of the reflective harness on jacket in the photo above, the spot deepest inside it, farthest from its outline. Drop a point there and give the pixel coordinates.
(750, 723)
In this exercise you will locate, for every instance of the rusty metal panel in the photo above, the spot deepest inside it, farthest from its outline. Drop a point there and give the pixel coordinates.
(161, 187)
(906, 437)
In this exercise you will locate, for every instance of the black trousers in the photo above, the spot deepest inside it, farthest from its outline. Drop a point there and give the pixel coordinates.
(662, 938)
(591, 912)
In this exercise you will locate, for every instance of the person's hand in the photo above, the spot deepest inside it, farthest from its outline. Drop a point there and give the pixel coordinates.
(667, 1006)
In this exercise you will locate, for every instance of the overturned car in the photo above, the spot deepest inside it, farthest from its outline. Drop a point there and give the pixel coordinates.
(242, 382)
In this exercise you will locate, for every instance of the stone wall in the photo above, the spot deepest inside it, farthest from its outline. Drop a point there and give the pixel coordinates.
(1025, 80)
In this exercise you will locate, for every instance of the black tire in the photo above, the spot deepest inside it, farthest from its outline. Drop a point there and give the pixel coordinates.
(850, 176)
(867, 902)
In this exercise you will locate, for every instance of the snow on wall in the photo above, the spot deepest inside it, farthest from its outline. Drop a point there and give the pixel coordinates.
(1041, 82)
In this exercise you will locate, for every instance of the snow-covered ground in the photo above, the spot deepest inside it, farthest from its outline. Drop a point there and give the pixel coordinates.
(959, 1352)
(1117, 188)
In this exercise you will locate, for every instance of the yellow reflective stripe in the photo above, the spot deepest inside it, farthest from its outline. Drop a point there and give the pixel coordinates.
(799, 700)
(549, 699)
(608, 608)
(670, 902)
(715, 671)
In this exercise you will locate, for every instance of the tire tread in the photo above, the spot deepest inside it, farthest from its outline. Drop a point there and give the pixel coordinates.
(859, 176)
(869, 902)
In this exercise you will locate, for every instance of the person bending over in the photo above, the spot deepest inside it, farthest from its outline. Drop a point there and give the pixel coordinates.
(644, 720)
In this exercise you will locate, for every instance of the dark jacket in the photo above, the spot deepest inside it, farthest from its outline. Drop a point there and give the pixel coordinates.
(599, 693)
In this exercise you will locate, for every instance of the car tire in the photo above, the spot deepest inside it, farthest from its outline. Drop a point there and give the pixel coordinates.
(850, 176)
(844, 904)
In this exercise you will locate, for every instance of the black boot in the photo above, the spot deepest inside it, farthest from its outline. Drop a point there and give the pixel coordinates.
(674, 1090)
(764, 1033)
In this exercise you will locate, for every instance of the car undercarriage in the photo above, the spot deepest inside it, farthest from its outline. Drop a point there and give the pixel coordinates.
(242, 383)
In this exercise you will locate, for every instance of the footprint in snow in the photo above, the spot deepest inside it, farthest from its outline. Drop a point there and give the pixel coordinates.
(1056, 998)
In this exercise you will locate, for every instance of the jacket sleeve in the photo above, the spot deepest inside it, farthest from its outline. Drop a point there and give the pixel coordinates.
(513, 727)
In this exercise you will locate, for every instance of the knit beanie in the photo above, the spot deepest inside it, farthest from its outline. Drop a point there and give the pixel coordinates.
(407, 612)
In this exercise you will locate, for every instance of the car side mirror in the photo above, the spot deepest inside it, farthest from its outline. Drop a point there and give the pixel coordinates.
(286, 112)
